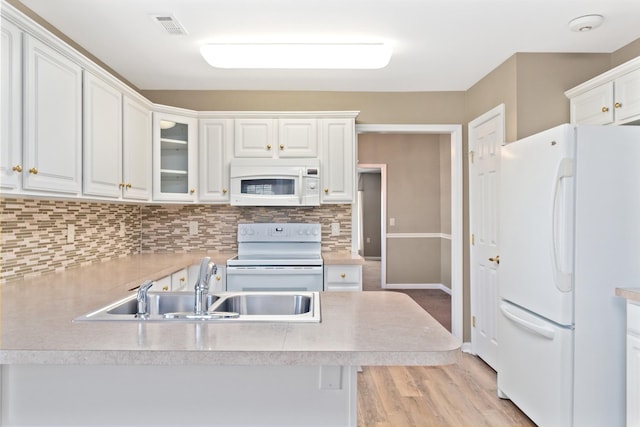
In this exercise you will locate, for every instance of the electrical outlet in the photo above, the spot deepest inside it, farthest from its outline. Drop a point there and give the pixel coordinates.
(71, 233)
(335, 228)
(123, 231)
(193, 228)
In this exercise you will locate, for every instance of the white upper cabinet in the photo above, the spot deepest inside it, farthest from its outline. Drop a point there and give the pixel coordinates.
(215, 152)
(102, 142)
(627, 97)
(297, 137)
(276, 137)
(52, 149)
(255, 137)
(593, 107)
(337, 162)
(117, 143)
(175, 167)
(611, 98)
(136, 150)
(11, 107)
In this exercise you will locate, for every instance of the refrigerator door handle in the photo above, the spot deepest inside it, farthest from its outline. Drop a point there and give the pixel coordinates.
(563, 280)
(543, 331)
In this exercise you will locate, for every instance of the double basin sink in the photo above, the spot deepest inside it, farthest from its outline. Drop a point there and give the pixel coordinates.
(222, 307)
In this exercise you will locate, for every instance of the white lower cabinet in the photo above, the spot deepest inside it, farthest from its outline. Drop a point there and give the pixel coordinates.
(633, 365)
(342, 277)
(177, 281)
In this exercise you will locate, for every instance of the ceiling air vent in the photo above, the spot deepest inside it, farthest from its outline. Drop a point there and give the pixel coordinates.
(170, 24)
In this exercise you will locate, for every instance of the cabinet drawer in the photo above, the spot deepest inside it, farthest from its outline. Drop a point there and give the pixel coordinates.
(633, 318)
(343, 274)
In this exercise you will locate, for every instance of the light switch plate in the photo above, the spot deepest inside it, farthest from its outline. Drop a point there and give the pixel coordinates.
(335, 228)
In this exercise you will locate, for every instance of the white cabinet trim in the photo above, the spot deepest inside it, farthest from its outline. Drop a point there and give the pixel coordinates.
(605, 77)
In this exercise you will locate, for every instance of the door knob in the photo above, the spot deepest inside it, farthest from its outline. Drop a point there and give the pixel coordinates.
(496, 259)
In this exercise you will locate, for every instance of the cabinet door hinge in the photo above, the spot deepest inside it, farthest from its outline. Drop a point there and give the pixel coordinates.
(471, 156)
(473, 321)
(473, 239)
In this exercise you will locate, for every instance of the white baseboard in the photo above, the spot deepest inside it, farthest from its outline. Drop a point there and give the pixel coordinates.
(466, 348)
(437, 286)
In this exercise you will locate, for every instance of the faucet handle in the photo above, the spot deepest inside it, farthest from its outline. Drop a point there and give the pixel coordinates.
(142, 297)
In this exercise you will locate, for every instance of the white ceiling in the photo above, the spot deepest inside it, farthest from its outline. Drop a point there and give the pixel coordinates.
(439, 45)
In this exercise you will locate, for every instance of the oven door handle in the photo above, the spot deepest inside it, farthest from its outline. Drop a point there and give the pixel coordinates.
(273, 270)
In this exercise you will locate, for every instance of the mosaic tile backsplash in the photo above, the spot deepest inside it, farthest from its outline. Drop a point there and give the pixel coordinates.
(34, 232)
(34, 235)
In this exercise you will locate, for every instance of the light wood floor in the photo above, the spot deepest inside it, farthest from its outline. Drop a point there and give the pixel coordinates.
(463, 394)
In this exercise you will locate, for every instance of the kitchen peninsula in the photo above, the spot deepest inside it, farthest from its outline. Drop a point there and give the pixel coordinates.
(59, 372)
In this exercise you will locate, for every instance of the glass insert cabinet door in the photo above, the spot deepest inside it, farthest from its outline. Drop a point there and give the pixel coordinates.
(175, 156)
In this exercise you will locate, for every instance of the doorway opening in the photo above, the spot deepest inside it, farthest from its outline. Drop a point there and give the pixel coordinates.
(453, 133)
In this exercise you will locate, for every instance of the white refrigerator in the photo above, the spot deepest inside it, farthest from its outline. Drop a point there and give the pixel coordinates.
(569, 230)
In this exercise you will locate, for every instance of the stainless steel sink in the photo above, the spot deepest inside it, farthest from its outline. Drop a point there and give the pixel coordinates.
(219, 307)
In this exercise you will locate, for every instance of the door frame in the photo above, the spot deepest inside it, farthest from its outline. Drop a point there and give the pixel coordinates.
(455, 133)
(383, 216)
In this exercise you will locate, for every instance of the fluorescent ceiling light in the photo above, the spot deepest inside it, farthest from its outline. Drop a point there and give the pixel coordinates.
(297, 55)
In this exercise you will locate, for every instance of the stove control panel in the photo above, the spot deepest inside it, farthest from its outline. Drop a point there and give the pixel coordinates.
(279, 232)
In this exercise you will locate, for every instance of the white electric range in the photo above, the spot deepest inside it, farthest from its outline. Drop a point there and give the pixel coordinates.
(277, 257)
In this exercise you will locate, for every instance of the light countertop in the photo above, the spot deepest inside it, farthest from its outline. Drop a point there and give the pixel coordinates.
(357, 328)
(341, 258)
(632, 294)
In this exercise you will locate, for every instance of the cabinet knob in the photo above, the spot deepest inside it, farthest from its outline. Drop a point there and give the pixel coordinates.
(496, 259)
(282, 146)
(33, 171)
(165, 288)
(605, 109)
(218, 278)
(343, 275)
(182, 279)
(193, 190)
(224, 191)
(121, 185)
(268, 146)
(128, 186)
(617, 105)
(17, 168)
(326, 191)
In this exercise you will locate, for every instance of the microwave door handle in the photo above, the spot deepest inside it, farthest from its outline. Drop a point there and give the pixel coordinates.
(300, 186)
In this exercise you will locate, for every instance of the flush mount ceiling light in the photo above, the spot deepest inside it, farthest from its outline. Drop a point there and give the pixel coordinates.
(297, 55)
(585, 23)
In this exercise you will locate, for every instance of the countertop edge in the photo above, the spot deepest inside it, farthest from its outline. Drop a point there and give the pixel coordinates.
(631, 294)
(229, 358)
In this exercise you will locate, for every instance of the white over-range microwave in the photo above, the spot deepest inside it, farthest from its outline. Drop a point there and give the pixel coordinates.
(275, 182)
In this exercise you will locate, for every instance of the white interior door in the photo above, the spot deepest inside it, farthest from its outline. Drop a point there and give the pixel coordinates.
(486, 135)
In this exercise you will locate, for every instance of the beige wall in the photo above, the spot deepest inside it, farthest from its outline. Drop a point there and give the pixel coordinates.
(626, 53)
(374, 107)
